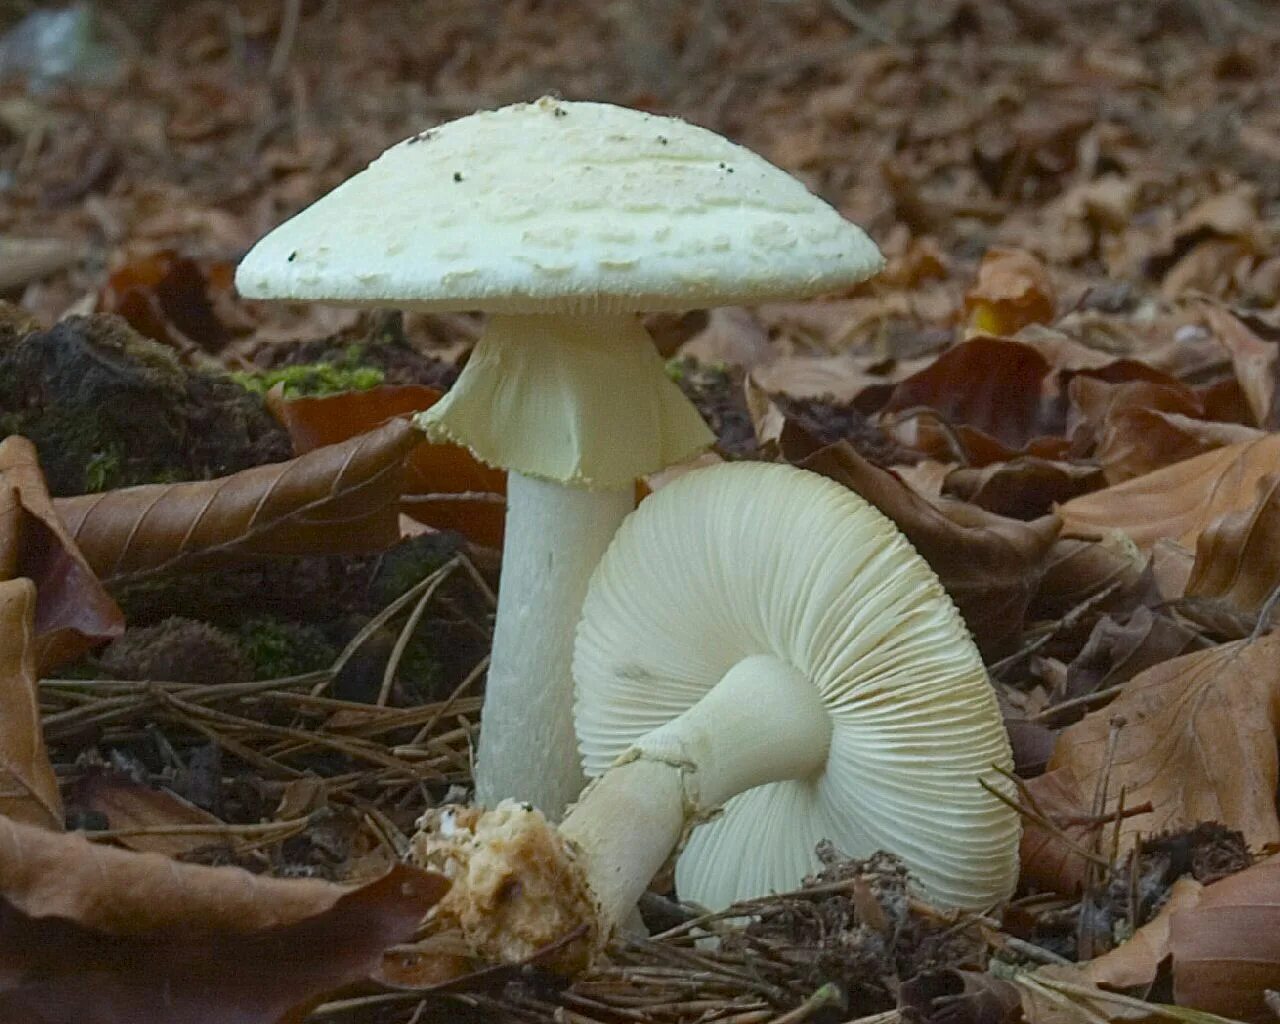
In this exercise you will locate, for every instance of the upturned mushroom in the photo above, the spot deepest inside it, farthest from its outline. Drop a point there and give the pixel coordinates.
(562, 221)
(763, 662)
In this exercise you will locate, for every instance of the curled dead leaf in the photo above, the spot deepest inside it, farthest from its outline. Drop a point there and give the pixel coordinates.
(1013, 289)
(219, 945)
(1120, 647)
(1077, 570)
(988, 385)
(132, 807)
(1253, 358)
(341, 498)
(1226, 948)
(73, 612)
(28, 788)
(1238, 555)
(1049, 862)
(1023, 488)
(167, 297)
(445, 486)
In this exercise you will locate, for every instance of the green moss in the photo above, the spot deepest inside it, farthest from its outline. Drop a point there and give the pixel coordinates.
(685, 370)
(277, 648)
(309, 380)
(102, 469)
(83, 455)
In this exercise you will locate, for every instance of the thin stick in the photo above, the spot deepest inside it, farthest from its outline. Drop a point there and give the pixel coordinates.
(862, 21)
(220, 828)
(289, 20)
(373, 625)
(481, 667)
(828, 995)
(411, 624)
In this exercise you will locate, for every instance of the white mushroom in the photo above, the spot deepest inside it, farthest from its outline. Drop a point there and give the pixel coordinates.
(763, 658)
(563, 221)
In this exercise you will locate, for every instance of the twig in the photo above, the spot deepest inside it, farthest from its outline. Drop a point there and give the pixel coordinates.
(411, 624)
(376, 623)
(470, 497)
(481, 667)
(1045, 823)
(1066, 622)
(289, 19)
(292, 826)
(864, 22)
(828, 995)
(1097, 697)
(1265, 613)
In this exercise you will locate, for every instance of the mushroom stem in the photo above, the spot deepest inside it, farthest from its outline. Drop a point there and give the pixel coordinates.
(763, 722)
(555, 535)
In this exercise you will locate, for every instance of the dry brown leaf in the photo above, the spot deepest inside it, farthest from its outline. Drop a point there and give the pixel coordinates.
(733, 336)
(1118, 649)
(73, 612)
(1138, 441)
(1253, 358)
(927, 477)
(1238, 555)
(1022, 488)
(1136, 960)
(1195, 736)
(1076, 570)
(125, 804)
(1013, 289)
(340, 499)
(216, 945)
(1136, 426)
(445, 486)
(960, 996)
(1226, 949)
(767, 420)
(168, 297)
(989, 565)
(1171, 566)
(1179, 501)
(1047, 861)
(989, 385)
(28, 788)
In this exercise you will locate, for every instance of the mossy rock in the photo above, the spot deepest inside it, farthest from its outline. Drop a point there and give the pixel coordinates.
(177, 650)
(107, 408)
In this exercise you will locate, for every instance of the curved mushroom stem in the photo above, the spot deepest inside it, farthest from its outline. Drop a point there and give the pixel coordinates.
(763, 722)
(555, 535)
(521, 886)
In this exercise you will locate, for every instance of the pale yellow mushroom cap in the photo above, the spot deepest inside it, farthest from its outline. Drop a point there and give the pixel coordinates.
(742, 560)
(554, 207)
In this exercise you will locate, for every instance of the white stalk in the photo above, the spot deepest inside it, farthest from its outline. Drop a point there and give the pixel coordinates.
(555, 535)
(763, 722)
(576, 408)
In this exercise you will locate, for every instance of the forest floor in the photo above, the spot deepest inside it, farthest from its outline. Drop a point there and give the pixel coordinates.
(1063, 388)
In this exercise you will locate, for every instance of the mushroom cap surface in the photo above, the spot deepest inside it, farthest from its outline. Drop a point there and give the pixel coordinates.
(557, 206)
(750, 559)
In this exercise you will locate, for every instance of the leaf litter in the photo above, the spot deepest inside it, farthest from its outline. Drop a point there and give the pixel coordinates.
(1063, 389)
